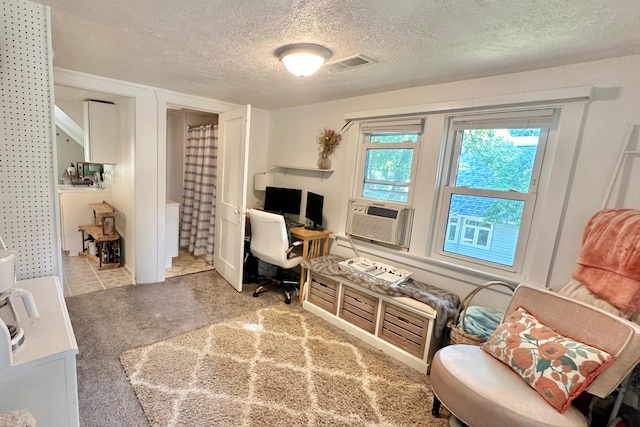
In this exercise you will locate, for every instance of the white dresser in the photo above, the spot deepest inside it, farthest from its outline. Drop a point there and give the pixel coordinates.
(41, 378)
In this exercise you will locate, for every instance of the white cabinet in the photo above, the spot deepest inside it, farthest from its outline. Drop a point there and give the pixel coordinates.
(75, 210)
(101, 132)
(40, 376)
(172, 221)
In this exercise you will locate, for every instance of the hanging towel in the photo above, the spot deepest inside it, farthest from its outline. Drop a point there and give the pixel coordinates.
(609, 261)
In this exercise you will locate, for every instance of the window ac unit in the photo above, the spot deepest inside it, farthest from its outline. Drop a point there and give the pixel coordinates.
(380, 222)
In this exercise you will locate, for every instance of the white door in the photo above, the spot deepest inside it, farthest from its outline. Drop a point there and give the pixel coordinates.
(231, 194)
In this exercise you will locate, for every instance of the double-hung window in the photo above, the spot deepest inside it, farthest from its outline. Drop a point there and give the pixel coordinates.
(489, 188)
(388, 159)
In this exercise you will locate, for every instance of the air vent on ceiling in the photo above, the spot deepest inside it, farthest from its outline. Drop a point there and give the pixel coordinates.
(347, 63)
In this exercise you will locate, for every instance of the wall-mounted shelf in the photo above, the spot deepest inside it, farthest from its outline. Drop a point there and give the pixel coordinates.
(287, 168)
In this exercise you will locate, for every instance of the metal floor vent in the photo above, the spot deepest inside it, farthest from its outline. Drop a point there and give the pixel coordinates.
(347, 63)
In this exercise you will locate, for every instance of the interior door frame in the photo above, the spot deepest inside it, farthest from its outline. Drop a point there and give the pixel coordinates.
(176, 100)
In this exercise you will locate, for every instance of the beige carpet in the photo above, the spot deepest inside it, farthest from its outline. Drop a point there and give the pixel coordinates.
(279, 366)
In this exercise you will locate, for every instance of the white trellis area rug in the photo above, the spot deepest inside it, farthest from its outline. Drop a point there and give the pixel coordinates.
(276, 367)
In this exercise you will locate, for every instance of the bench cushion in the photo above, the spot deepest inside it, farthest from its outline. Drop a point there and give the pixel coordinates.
(489, 394)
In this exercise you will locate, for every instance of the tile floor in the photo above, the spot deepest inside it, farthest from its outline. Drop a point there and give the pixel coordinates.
(186, 263)
(81, 274)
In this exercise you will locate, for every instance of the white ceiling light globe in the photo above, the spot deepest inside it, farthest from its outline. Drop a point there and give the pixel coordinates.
(303, 59)
(303, 64)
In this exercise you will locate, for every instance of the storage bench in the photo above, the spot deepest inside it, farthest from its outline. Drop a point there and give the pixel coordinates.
(403, 327)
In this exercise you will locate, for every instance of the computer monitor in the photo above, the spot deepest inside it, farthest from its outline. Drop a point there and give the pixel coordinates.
(313, 212)
(282, 200)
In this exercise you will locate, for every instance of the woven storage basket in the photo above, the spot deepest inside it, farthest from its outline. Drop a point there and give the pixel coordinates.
(458, 335)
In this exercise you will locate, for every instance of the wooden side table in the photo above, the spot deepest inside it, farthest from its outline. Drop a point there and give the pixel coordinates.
(108, 247)
(315, 244)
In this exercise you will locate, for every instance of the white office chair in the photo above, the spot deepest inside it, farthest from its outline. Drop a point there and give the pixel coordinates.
(270, 243)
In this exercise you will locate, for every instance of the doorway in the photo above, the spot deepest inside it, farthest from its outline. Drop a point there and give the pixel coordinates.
(180, 259)
(77, 190)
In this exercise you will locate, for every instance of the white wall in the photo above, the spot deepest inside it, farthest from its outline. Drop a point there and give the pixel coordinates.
(68, 151)
(29, 206)
(198, 119)
(122, 182)
(176, 134)
(258, 148)
(615, 104)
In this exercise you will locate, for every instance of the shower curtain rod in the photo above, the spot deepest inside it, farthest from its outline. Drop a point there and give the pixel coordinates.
(201, 125)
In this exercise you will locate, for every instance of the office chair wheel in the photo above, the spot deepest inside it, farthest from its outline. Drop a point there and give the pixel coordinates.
(287, 301)
(255, 294)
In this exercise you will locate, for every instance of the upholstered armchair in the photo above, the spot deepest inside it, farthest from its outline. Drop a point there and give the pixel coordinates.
(549, 349)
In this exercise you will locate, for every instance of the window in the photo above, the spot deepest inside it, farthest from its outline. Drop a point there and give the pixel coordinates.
(452, 229)
(489, 189)
(476, 233)
(389, 156)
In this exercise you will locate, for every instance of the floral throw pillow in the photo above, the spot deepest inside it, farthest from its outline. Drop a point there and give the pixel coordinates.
(557, 367)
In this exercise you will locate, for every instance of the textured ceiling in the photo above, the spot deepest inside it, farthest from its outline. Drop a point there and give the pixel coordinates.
(223, 49)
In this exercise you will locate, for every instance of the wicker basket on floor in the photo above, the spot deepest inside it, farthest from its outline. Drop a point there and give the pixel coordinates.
(457, 334)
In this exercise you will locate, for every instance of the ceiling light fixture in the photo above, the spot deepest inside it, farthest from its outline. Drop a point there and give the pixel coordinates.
(303, 59)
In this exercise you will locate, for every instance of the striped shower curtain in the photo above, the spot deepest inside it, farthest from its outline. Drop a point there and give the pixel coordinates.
(197, 229)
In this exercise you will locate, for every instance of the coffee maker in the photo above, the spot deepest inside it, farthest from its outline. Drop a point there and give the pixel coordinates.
(9, 295)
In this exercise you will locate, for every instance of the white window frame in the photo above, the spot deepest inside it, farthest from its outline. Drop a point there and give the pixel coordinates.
(476, 228)
(397, 126)
(454, 237)
(545, 119)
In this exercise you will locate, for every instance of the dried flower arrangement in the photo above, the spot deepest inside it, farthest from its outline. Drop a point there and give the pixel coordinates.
(328, 141)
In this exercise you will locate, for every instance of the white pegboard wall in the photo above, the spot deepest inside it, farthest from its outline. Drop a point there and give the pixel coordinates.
(27, 206)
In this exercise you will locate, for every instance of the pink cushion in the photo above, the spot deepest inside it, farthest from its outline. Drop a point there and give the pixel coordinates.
(557, 367)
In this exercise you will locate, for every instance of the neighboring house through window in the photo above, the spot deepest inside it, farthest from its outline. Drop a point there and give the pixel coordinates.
(474, 233)
(489, 191)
